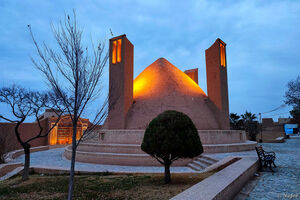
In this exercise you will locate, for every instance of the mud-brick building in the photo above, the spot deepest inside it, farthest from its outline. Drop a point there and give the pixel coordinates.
(60, 134)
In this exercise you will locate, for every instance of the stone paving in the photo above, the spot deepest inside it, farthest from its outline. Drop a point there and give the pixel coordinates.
(54, 159)
(284, 183)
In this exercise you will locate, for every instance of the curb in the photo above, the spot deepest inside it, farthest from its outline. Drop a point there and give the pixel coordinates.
(12, 173)
(224, 184)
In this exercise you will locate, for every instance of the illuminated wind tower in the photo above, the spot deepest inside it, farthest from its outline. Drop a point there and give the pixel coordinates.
(216, 76)
(120, 81)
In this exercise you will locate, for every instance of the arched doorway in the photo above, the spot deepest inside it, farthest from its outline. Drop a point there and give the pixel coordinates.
(63, 131)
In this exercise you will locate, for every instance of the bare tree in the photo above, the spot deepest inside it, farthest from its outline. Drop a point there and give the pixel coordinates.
(24, 104)
(74, 74)
(292, 95)
(292, 98)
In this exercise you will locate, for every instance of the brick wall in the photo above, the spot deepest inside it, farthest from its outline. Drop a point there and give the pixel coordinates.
(8, 139)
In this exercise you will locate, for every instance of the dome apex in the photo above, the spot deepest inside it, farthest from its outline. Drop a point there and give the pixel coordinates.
(162, 78)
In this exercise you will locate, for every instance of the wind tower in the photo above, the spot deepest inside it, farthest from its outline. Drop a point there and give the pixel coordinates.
(120, 81)
(216, 76)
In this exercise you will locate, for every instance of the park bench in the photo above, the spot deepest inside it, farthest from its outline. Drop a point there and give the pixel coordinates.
(265, 158)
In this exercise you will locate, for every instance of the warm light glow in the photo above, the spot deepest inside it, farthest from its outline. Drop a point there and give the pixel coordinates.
(119, 56)
(53, 135)
(114, 53)
(163, 78)
(63, 131)
(78, 133)
(141, 84)
(193, 74)
(222, 55)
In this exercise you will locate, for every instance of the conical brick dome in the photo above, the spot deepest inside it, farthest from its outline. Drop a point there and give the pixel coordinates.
(161, 78)
(162, 86)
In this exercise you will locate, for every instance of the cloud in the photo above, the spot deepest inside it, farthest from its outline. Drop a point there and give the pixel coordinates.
(262, 39)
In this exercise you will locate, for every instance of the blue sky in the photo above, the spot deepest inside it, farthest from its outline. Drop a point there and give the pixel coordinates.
(262, 39)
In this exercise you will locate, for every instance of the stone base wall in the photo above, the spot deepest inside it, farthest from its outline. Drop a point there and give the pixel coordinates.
(136, 136)
(132, 155)
(123, 147)
(127, 159)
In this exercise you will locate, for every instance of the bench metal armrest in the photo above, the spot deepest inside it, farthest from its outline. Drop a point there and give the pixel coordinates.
(270, 153)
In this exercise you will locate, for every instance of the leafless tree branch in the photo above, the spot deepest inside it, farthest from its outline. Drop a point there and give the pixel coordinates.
(23, 104)
(78, 76)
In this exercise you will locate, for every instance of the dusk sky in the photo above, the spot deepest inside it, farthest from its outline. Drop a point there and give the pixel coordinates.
(263, 41)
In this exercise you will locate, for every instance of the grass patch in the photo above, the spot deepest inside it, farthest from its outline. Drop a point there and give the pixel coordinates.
(100, 186)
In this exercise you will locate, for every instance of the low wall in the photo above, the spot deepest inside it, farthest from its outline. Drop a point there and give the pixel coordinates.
(10, 156)
(8, 139)
(270, 135)
(277, 140)
(132, 155)
(5, 168)
(223, 185)
(136, 148)
(126, 159)
(111, 148)
(123, 147)
(136, 136)
(233, 147)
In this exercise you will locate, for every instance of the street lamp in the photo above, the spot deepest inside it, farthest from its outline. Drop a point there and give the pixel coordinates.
(260, 127)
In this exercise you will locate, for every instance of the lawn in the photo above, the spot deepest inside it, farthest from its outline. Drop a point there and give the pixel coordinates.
(101, 186)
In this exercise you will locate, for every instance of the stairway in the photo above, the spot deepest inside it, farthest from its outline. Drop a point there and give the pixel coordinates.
(201, 162)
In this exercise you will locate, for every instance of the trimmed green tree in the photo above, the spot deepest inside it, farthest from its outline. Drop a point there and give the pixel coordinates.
(170, 136)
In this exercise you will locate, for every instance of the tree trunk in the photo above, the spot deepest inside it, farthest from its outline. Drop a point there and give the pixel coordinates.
(72, 169)
(167, 172)
(27, 162)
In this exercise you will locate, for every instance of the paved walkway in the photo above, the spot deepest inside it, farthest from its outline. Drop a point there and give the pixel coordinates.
(54, 158)
(284, 183)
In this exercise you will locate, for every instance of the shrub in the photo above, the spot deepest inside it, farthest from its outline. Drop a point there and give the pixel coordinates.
(170, 136)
